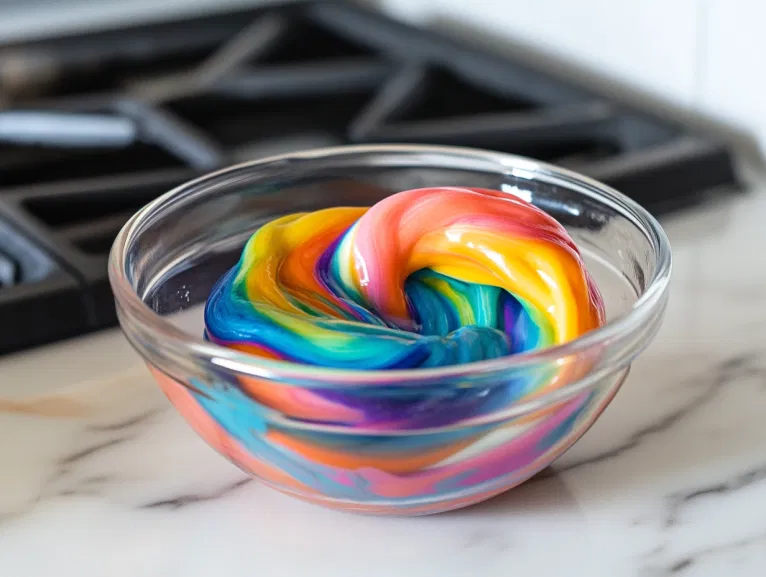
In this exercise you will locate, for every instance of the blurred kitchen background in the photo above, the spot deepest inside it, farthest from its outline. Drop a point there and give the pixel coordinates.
(702, 54)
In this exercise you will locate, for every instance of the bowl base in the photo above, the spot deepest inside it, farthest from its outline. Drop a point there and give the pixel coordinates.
(379, 510)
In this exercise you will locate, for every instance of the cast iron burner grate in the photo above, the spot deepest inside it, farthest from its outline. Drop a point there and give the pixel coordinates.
(192, 95)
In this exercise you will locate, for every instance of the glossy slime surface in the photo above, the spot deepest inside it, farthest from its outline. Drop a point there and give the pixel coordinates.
(425, 278)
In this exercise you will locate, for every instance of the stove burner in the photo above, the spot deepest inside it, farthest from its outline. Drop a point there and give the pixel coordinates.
(171, 100)
(9, 271)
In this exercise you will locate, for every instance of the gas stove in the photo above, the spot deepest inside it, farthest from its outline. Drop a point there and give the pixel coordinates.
(93, 126)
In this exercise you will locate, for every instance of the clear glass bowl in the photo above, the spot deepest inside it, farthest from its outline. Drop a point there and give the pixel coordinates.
(468, 431)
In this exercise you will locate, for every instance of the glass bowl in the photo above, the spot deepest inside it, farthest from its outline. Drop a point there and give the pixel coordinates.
(396, 442)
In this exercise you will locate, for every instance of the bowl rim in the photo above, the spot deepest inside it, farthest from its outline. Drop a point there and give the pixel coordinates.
(185, 344)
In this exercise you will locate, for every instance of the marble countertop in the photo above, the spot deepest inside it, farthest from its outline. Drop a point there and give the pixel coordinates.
(100, 477)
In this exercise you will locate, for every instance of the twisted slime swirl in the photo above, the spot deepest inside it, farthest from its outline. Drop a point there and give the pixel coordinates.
(425, 278)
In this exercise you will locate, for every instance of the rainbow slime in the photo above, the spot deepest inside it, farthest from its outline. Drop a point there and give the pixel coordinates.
(425, 278)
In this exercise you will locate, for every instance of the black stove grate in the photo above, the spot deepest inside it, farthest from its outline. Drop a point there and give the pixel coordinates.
(212, 91)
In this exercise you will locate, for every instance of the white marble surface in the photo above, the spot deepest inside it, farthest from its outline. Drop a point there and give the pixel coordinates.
(99, 477)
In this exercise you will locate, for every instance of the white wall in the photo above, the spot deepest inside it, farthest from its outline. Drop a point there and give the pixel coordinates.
(732, 79)
(705, 54)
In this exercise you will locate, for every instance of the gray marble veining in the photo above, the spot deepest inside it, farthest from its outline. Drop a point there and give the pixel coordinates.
(100, 477)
